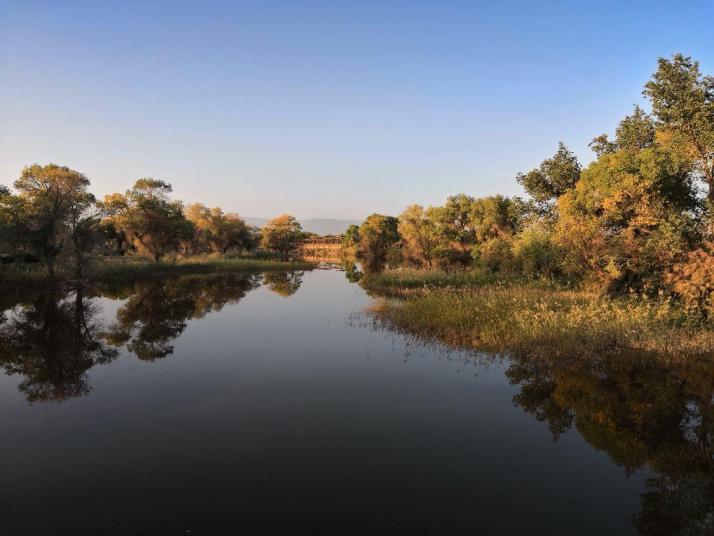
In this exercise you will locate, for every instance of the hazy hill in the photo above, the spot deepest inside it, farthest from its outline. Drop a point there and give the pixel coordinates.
(321, 226)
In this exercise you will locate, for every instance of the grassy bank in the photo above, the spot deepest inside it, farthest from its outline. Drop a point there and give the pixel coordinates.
(120, 268)
(128, 268)
(540, 319)
(404, 282)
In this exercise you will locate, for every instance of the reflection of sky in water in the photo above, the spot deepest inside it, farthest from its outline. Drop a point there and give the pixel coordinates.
(291, 409)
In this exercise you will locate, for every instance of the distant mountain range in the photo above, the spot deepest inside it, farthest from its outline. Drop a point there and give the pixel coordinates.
(321, 226)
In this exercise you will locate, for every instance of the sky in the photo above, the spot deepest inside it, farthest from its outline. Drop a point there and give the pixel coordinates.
(332, 109)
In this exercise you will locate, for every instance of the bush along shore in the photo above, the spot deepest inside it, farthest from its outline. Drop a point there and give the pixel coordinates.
(539, 319)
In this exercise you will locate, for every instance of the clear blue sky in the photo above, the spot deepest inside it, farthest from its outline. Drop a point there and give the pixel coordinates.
(324, 109)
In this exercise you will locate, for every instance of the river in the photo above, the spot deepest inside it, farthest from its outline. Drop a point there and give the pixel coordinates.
(272, 403)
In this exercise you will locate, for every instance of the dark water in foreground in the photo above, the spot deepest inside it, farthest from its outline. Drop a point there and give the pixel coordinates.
(269, 404)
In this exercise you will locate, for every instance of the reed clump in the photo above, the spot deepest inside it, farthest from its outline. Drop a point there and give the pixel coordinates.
(538, 319)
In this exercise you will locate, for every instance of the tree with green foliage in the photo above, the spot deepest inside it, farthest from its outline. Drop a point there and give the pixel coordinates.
(602, 145)
(495, 216)
(217, 231)
(553, 177)
(48, 198)
(350, 239)
(420, 234)
(496, 220)
(153, 224)
(631, 215)
(282, 235)
(455, 222)
(84, 218)
(636, 131)
(13, 234)
(377, 234)
(683, 102)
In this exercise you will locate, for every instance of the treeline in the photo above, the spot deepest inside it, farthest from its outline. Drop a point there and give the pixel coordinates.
(638, 219)
(51, 216)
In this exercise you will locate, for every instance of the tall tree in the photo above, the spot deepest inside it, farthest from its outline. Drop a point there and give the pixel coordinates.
(683, 101)
(495, 216)
(420, 233)
(152, 223)
(351, 237)
(629, 218)
(377, 234)
(636, 131)
(282, 235)
(83, 219)
(217, 231)
(553, 177)
(456, 227)
(47, 196)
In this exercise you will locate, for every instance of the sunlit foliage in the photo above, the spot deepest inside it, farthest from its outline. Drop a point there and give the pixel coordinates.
(153, 224)
(282, 235)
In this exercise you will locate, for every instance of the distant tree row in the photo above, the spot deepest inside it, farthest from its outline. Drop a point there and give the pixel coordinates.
(639, 218)
(52, 215)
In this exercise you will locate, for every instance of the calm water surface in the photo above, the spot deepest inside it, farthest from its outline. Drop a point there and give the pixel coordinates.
(271, 404)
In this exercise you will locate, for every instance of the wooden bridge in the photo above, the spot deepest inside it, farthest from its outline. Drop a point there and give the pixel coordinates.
(321, 247)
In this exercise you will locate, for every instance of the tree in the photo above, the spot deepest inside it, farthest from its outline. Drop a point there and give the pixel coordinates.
(683, 101)
(47, 197)
(419, 232)
(13, 232)
(636, 131)
(377, 234)
(495, 216)
(84, 217)
(455, 220)
(554, 177)
(351, 237)
(216, 231)
(282, 235)
(631, 215)
(602, 145)
(152, 223)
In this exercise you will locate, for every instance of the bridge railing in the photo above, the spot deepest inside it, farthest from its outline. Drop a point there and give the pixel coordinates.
(322, 241)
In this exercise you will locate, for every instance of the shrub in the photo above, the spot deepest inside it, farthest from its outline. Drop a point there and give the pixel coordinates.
(495, 255)
(536, 255)
(693, 281)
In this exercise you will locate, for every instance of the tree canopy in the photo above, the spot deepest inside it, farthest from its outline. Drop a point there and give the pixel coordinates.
(282, 234)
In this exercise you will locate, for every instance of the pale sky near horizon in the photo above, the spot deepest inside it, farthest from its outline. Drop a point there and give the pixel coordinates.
(325, 109)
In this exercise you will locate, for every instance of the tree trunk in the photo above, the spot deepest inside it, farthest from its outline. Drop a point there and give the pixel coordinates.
(78, 263)
(50, 268)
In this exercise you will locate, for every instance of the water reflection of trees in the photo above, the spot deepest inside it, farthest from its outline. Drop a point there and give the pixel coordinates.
(643, 412)
(283, 283)
(355, 271)
(156, 312)
(53, 340)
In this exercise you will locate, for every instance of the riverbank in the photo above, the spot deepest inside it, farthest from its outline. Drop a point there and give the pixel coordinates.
(541, 319)
(131, 268)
